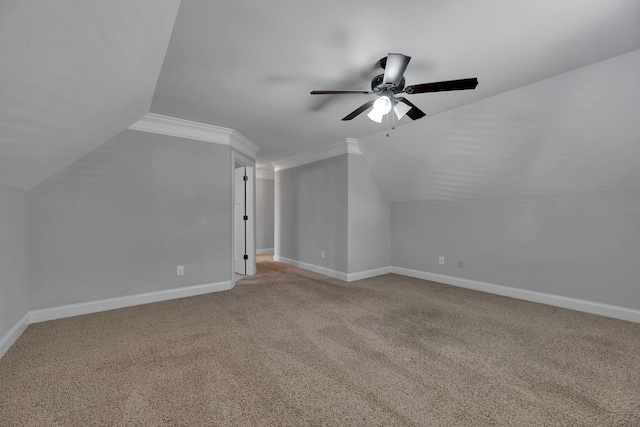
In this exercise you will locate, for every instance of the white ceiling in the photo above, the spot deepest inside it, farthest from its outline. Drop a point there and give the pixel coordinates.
(250, 65)
(74, 73)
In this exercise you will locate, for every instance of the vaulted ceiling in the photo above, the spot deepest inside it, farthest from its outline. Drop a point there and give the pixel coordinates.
(576, 132)
(75, 74)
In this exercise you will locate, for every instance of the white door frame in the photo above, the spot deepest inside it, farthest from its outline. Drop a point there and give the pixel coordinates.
(251, 209)
(239, 224)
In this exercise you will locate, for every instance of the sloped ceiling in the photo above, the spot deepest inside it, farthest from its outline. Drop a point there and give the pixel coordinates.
(73, 74)
(576, 132)
(250, 65)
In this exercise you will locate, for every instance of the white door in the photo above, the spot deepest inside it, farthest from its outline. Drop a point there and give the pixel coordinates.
(250, 207)
(239, 212)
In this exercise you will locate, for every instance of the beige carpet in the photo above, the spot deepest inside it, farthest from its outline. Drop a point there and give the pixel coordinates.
(290, 347)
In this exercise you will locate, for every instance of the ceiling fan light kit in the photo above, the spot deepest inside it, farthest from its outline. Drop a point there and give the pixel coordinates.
(386, 86)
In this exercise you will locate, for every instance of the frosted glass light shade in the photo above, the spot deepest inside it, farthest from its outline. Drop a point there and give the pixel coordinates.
(401, 109)
(381, 107)
(375, 116)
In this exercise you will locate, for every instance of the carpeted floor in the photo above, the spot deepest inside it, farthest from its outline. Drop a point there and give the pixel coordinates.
(290, 347)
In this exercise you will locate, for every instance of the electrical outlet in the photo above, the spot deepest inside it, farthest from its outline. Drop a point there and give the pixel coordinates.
(460, 263)
(322, 254)
(181, 270)
(441, 260)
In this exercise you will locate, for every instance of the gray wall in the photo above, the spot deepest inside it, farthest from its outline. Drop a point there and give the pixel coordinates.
(582, 245)
(335, 205)
(369, 219)
(311, 214)
(14, 284)
(118, 221)
(264, 213)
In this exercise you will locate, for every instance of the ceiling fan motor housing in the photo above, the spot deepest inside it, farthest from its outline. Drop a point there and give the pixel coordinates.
(377, 87)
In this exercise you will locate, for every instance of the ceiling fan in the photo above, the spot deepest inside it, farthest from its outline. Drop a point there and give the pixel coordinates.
(386, 86)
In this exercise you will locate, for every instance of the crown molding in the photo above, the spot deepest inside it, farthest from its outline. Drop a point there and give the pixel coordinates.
(348, 146)
(243, 145)
(172, 126)
(263, 174)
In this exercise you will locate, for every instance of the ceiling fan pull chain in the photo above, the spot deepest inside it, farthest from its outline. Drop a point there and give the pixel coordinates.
(388, 125)
(393, 122)
(394, 118)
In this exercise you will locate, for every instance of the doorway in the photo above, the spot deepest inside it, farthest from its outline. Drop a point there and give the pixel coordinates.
(243, 216)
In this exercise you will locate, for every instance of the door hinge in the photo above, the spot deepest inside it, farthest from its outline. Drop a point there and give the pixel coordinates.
(245, 178)
(246, 256)
(246, 218)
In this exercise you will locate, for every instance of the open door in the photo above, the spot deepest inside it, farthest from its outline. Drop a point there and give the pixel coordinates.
(240, 219)
(243, 206)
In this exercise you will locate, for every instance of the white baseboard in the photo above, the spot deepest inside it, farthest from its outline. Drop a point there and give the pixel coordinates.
(347, 277)
(35, 316)
(52, 313)
(14, 333)
(523, 294)
(264, 251)
(311, 267)
(607, 310)
(368, 273)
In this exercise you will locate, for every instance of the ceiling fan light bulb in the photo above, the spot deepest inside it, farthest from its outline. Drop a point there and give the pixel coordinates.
(382, 105)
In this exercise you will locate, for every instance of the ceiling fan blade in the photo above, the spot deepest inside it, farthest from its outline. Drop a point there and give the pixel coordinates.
(415, 113)
(339, 92)
(461, 84)
(394, 68)
(358, 110)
